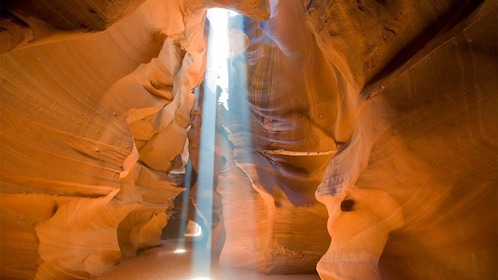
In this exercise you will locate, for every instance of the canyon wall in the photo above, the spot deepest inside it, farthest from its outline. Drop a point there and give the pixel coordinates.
(412, 192)
(359, 139)
(91, 124)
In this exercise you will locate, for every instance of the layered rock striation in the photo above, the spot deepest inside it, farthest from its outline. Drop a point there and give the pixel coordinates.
(411, 194)
(359, 138)
(90, 127)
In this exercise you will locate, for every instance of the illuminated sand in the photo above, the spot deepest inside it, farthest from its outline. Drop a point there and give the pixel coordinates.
(162, 263)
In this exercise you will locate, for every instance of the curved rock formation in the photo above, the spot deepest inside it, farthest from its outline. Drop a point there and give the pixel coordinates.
(359, 139)
(98, 108)
(413, 152)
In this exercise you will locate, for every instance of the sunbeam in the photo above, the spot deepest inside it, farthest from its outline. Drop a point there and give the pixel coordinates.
(216, 82)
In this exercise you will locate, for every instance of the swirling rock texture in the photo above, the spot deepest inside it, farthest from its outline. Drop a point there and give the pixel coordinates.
(412, 193)
(90, 125)
(360, 139)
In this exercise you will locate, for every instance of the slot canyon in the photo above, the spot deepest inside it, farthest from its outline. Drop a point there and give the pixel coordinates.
(312, 139)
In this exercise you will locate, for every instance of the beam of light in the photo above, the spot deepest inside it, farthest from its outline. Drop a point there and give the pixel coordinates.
(185, 197)
(242, 238)
(216, 78)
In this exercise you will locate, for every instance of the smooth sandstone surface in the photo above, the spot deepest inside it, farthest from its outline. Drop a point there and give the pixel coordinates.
(360, 140)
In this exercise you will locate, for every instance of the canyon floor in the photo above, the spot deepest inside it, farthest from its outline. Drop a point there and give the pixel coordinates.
(162, 263)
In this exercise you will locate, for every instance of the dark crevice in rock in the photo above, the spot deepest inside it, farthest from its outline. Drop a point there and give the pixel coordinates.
(455, 14)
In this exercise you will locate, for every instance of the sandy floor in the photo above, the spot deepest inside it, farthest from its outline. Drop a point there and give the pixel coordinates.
(162, 263)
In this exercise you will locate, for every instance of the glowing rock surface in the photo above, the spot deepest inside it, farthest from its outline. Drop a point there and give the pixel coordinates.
(360, 138)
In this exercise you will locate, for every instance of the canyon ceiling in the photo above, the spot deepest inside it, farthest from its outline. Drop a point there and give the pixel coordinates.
(360, 140)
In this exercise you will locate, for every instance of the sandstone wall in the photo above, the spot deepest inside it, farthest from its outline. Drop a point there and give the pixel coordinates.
(90, 127)
(361, 137)
(412, 193)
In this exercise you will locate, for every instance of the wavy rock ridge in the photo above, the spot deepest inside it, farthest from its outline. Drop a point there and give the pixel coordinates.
(360, 141)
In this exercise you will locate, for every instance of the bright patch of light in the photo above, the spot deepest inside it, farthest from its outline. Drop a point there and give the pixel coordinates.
(217, 72)
(215, 90)
(193, 229)
(201, 278)
(180, 251)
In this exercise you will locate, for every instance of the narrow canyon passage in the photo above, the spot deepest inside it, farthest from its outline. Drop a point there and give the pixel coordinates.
(305, 139)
